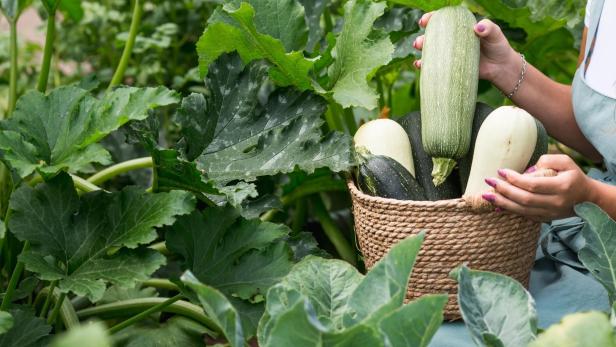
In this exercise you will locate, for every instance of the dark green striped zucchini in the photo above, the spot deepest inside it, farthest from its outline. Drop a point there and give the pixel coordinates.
(382, 176)
(481, 113)
(448, 87)
(541, 147)
(450, 189)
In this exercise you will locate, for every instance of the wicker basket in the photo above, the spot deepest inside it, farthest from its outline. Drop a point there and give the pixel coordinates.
(455, 234)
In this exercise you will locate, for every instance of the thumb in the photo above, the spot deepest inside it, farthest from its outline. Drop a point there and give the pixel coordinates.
(489, 31)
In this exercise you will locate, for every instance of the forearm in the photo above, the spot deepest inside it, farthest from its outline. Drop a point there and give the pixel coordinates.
(548, 101)
(604, 196)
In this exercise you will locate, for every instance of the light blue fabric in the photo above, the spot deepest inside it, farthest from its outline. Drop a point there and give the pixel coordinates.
(559, 283)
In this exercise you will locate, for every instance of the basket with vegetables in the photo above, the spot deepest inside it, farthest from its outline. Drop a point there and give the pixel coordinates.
(426, 171)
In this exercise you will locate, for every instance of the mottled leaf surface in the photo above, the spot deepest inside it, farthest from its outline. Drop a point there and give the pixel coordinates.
(313, 11)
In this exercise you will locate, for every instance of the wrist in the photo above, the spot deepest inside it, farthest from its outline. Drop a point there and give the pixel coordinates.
(593, 191)
(506, 74)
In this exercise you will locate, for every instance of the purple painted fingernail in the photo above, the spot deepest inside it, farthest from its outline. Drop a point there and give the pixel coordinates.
(502, 173)
(498, 209)
(481, 27)
(531, 169)
(488, 197)
(491, 182)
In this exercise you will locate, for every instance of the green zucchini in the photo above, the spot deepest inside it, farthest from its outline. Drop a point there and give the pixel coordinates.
(448, 87)
(481, 113)
(383, 176)
(541, 147)
(450, 189)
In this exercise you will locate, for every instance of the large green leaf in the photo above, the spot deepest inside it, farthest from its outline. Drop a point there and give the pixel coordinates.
(357, 54)
(60, 130)
(81, 234)
(233, 29)
(328, 303)
(254, 138)
(6, 322)
(496, 308)
(71, 8)
(27, 331)
(578, 330)
(12, 8)
(314, 10)
(427, 5)
(219, 309)
(234, 255)
(281, 19)
(414, 324)
(598, 253)
(91, 335)
(536, 17)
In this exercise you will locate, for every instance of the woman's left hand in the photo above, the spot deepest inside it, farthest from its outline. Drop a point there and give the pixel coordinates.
(541, 198)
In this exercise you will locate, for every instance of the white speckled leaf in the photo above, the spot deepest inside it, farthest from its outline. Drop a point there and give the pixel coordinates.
(258, 138)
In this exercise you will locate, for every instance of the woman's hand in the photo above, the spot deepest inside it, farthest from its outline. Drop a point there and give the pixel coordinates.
(497, 56)
(542, 198)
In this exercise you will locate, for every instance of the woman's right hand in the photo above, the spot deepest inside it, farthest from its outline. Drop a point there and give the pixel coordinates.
(497, 56)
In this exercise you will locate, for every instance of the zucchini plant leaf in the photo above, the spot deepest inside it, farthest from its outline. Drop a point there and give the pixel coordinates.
(92, 334)
(256, 137)
(233, 28)
(578, 329)
(176, 331)
(496, 309)
(219, 309)
(239, 257)
(27, 330)
(71, 8)
(536, 17)
(60, 131)
(325, 301)
(600, 241)
(6, 322)
(314, 9)
(358, 52)
(426, 5)
(12, 8)
(74, 239)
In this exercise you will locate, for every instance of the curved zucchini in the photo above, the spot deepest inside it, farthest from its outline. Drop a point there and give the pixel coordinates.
(482, 111)
(507, 139)
(448, 87)
(382, 176)
(450, 189)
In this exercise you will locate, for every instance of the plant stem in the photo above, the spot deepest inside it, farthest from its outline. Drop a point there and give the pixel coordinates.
(134, 319)
(84, 185)
(134, 306)
(160, 247)
(13, 72)
(56, 309)
(120, 168)
(10, 289)
(160, 283)
(128, 48)
(67, 314)
(332, 231)
(299, 216)
(52, 287)
(41, 86)
(349, 120)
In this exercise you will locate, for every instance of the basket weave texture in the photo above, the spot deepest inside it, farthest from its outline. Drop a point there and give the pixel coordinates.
(455, 234)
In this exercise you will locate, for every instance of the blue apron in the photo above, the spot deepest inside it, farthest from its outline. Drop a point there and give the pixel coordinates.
(559, 283)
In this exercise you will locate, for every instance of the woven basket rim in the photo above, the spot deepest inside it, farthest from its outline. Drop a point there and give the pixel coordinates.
(458, 203)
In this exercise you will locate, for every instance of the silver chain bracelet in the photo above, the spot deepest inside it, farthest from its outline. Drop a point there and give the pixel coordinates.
(522, 74)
